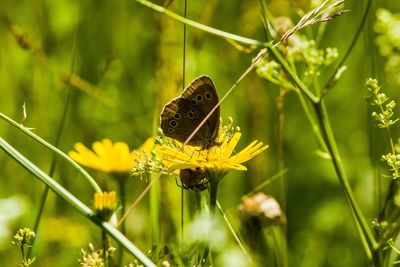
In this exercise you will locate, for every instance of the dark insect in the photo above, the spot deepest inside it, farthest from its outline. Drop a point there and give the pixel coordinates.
(193, 179)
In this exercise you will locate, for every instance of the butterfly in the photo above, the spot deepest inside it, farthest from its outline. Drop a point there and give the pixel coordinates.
(181, 116)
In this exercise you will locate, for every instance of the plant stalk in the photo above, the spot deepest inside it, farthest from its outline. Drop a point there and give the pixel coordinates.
(213, 189)
(365, 231)
(105, 247)
(75, 203)
(202, 27)
(122, 193)
(38, 139)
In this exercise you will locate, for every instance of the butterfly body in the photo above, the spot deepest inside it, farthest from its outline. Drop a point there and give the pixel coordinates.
(182, 115)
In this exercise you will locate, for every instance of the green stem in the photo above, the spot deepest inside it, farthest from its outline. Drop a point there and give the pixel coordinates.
(52, 169)
(23, 253)
(366, 234)
(330, 83)
(280, 103)
(38, 217)
(311, 120)
(26, 131)
(155, 192)
(266, 182)
(292, 75)
(213, 189)
(325, 128)
(392, 231)
(235, 235)
(105, 247)
(183, 88)
(122, 193)
(200, 26)
(264, 15)
(213, 194)
(365, 231)
(280, 242)
(75, 203)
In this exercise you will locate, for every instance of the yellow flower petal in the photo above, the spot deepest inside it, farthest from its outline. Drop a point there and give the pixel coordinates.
(106, 156)
(249, 152)
(232, 144)
(121, 157)
(179, 166)
(102, 149)
(147, 145)
(83, 155)
(216, 158)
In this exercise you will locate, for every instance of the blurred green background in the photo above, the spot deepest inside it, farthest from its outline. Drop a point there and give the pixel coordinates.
(133, 58)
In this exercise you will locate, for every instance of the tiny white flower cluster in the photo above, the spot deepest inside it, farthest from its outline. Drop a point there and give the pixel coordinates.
(384, 115)
(393, 160)
(302, 51)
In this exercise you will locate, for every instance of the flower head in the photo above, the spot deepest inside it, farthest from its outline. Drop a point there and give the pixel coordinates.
(24, 237)
(91, 258)
(105, 203)
(216, 160)
(109, 157)
(384, 112)
(261, 207)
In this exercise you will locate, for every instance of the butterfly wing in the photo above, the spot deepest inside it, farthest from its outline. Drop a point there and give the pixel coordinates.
(180, 118)
(202, 94)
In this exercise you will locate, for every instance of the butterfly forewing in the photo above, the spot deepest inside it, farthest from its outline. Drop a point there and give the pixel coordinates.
(181, 116)
(179, 119)
(202, 93)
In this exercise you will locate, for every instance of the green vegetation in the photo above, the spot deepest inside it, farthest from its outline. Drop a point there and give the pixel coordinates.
(304, 170)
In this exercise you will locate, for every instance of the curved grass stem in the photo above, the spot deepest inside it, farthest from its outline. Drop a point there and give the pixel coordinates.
(122, 192)
(366, 234)
(213, 189)
(312, 120)
(28, 132)
(75, 203)
(45, 191)
(331, 79)
(231, 228)
(292, 75)
(202, 27)
(325, 130)
(105, 247)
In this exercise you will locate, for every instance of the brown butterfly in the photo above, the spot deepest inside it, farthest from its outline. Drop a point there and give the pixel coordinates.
(181, 116)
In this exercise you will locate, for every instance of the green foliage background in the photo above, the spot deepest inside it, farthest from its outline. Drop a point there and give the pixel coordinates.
(133, 56)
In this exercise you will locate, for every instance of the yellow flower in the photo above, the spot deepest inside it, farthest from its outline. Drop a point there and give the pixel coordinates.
(105, 200)
(105, 203)
(261, 207)
(217, 159)
(109, 157)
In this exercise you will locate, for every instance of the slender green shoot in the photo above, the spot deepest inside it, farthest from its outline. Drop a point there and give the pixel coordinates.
(202, 27)
(266, 182)
(235, 235)
(74, 202)
(41, 141)
(331, 80)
